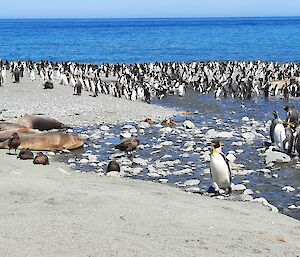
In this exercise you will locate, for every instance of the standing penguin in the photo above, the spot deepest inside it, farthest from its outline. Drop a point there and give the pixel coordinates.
(292, 114)
(279, 136)
(219, 169)
(288, 143)
(275, 121)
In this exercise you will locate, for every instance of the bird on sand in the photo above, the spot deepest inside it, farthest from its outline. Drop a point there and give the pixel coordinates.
(41, 158)
(14, 142)
(25, 154)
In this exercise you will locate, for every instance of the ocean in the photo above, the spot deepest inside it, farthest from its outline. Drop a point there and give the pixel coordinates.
(150, 40)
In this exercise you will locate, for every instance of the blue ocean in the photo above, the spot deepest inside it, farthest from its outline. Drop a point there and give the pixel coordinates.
(151, 40)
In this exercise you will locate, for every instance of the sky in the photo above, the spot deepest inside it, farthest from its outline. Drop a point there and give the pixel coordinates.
(146, 8)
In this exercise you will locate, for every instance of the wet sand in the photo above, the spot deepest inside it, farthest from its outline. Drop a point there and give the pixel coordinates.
(54, 211)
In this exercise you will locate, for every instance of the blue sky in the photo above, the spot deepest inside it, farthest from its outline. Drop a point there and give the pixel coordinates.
(146, 8)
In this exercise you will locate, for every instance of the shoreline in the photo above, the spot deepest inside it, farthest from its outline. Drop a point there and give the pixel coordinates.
(49, 208)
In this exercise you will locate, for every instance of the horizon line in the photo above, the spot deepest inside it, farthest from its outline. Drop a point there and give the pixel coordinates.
(141, 18)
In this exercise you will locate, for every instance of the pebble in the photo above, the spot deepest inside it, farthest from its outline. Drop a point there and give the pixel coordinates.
(248, 192)
(192, 182)
(125, 135)
(193, 189)
(143, 125)
(246, 119)
(188, 124)
(182, 172)
(238, 187)
(104, 128)
(288, 189)
(165, 130)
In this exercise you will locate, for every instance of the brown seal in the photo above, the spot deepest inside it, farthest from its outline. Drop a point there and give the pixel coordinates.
(25, 154)
(113, 166)
(14, 142)
(49, 141)
(6, 134)
(41, 158)
(168, 122)
(8, 126)
(40, 123)
(128, 145)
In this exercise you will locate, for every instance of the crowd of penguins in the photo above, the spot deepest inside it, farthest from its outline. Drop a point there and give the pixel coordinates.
(243, 80)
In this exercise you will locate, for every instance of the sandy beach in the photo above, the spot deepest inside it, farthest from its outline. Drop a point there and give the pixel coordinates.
(54, 211)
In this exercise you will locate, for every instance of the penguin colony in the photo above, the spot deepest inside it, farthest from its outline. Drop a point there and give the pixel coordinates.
(243, 80)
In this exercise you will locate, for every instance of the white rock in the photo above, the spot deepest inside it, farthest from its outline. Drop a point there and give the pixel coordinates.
(83, 161)
(192, 182)
(276, 157)
(126, 135)
(225, 135)
(143, 125)
(93, 158)
(188, 124)
(211, 133)
(248, 136)
(165, 130)
(248, 192)
(238, 187)
(104, 128)
(231, 157)
(140, 161)
(288, 189)
(182, 172)
(193, 190)
(115, 174)
(246, 119)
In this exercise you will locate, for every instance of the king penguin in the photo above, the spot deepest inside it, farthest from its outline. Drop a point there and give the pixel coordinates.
(275, 121)
(219, 169)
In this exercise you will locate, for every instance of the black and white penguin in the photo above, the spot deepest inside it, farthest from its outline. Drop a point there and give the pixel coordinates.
(275, 121)
(288, 143)
(219, 169)
(279, 136)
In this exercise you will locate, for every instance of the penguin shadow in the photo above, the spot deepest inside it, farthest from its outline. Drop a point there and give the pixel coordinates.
(268, 144)
(12, 154)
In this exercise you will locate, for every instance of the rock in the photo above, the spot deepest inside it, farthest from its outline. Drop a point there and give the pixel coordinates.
(237, 143)
(211, 133)
(166, 143)
(238, 187)
(231, 157)
(248, 136)
(266, 203)
(288, 189)
(83, 161)
(72, 160)
(182, 172)
(188, 124)
(189, 143)
(104, 128)
(185, 155)
(163, 180)
(276, 157)
(153, 175)
(143, 125)
(135, 171)
(192, 182)
(193, 189)
(246, 119)
(225, 135)
(125, 135)
(93, 158)
(84, 136)
(167, 157)
(140, 161)
(165, 130)
(248, 192)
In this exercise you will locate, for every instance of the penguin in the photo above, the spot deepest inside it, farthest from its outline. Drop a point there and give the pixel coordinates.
(279, 136)
(288, 143)
(292, 114)
(297, 141)
(275, 121)
(219, 169)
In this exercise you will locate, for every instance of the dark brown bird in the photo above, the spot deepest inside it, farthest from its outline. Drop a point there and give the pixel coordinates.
(113, 166)
(14, 142)
(25, 154)
(41, 158)
(128, 145)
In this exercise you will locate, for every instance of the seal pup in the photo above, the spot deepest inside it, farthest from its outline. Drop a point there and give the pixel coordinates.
(113, 166)
(128, 145)
(14, 142)
(25, 154)
(40, 123)
(49, 141)
(41, 158)
(219, 169)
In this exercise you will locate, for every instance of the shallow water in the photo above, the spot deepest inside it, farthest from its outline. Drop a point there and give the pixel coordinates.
(207, 112)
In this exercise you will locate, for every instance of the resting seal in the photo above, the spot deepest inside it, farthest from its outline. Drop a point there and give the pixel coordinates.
(40, 123)
(6, 134)
(8, 126)
(49, 141)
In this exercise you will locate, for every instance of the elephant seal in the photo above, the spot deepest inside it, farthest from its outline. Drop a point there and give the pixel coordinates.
(25, 154)
(40, 123)
(8, 126)
(49, 141)
(41, 158)
(6, 134)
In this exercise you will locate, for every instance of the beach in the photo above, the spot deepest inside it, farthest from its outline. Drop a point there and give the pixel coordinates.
(55, 211)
